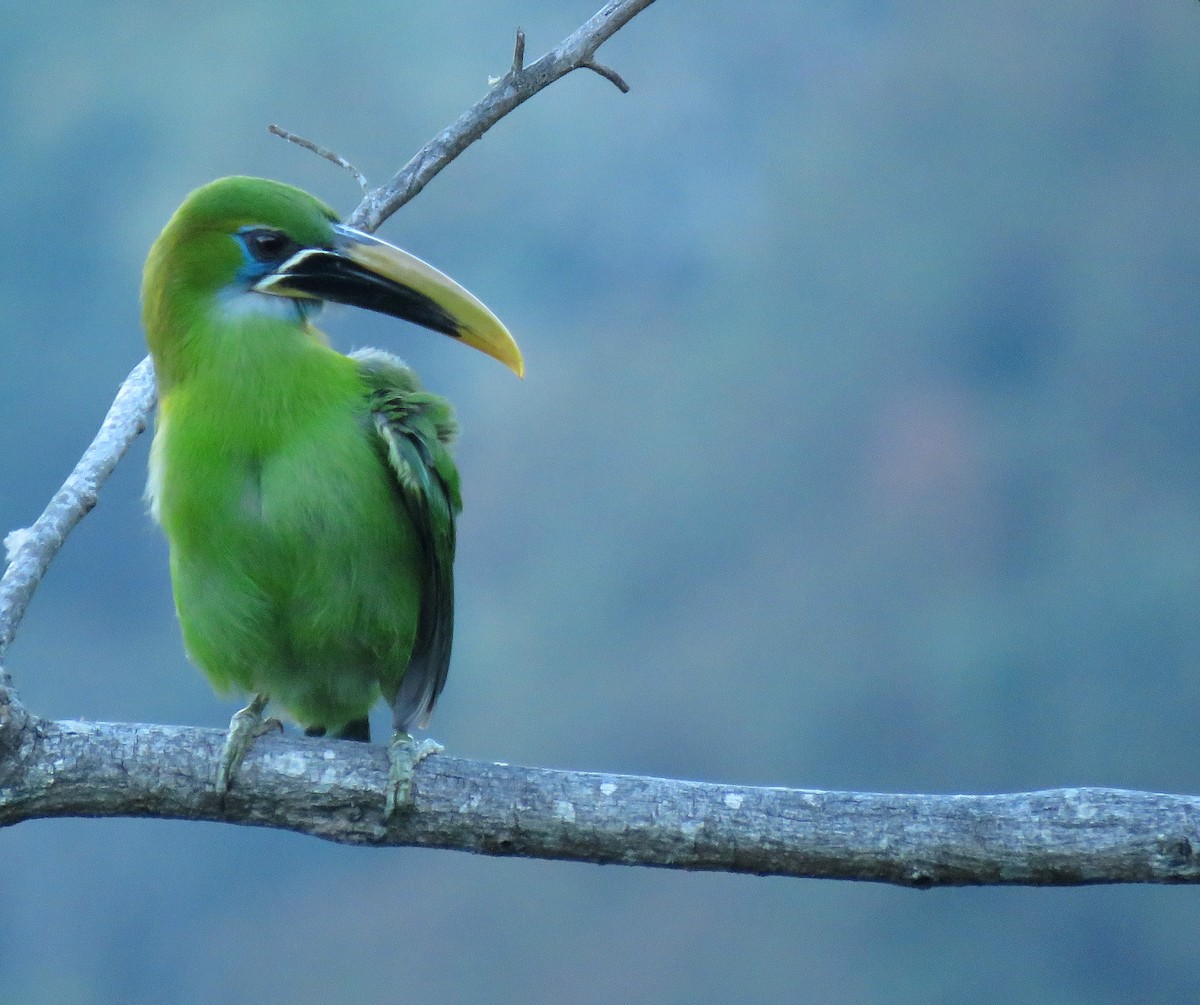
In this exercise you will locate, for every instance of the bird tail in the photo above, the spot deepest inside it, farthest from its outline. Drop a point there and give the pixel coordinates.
(423, 680)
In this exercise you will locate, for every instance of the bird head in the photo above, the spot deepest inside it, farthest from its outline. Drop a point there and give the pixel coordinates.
(247, 247)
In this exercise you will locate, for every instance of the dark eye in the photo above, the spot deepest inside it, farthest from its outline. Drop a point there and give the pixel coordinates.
(269, 245)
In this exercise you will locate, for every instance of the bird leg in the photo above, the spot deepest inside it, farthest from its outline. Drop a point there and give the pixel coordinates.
(246, 726)
(404, 754)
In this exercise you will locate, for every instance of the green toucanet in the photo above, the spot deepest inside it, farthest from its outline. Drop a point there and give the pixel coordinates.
(308, 497)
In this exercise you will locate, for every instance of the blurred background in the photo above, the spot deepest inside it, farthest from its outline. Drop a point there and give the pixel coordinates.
(859, 448)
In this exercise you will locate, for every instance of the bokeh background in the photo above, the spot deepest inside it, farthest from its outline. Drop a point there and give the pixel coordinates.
(860, 448)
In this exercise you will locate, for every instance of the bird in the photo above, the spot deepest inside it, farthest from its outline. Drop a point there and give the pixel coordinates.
(308, 498)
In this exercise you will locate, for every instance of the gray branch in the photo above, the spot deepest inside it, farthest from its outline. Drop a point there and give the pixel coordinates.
(334, 790)
(516, 87)
(31, 549)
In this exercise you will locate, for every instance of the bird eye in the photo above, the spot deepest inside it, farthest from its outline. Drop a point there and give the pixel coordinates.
(269, 245)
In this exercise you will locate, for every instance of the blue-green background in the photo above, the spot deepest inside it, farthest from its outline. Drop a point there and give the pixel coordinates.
(859, 448)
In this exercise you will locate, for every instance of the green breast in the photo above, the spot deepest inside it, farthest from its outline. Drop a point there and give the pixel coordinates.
(296, 568)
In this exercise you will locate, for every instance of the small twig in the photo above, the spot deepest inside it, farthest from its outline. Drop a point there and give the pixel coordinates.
(519, 53)
(608, 73)
(320, 151)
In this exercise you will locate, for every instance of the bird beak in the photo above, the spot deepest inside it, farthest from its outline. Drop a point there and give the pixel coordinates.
(364, 271)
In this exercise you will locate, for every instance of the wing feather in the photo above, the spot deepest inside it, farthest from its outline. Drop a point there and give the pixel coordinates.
(415, 429)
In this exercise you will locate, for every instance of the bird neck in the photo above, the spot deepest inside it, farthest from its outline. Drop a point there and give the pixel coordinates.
(262, 376)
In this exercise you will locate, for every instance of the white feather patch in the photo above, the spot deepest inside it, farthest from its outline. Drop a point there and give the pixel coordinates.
(237, 305)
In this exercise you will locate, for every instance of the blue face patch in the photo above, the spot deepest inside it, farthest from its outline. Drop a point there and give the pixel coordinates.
(252, 269)
(263, 251)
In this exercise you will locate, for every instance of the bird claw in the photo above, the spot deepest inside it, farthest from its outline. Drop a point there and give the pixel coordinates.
(404, 754)
(246, 726)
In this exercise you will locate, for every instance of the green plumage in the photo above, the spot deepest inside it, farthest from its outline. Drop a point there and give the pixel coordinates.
(309, 498)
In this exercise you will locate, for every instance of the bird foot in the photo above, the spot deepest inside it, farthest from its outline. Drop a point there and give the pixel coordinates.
(246, 726)
(404, 754)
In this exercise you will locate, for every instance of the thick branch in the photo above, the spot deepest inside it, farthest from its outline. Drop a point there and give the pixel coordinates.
(334, 790)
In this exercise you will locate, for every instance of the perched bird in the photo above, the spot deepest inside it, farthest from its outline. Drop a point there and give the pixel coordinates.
(309, 498)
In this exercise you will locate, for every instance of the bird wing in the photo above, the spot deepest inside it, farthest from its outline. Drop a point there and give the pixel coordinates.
(415, 429)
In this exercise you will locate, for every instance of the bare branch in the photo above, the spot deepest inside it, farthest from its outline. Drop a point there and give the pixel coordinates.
(511, 90)
(31, 549)
(329, 155)
(334, 790)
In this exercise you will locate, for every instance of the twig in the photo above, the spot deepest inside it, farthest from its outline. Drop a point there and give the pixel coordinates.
(514, 88)
(334, 790)
(608, 73)
(329, 155)
(519, 53)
